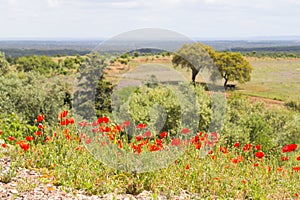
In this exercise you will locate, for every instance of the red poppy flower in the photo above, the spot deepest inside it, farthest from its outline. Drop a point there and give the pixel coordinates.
(38, 133)
(185, 130)
(210, 152)
(223, 150)
(259, 154)
(237, 159)
(40, 126)
(117, 128)
(163, 135)
(258, 147)
(47, 139)
(247, 147)
(0, 132)
(68, 137)
(64, 122)
(187, 167)
(29, 138)
(63, 114)
(197, 145)
(154, 148)
(4, 145)
(126, 124)
(71, 121)
(147, 134)
(138, 137)
(141, 126)
(120, 144)
(104, 129)
(40, 118)
(298, 158)
(103, 120)
(11, 138)
(176, 142)
(296, 168)
(289, 148)
(237, 144)
(24, 145)
(255, 164)
(284, 158)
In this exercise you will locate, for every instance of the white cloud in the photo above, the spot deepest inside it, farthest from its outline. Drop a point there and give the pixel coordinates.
(53, 3)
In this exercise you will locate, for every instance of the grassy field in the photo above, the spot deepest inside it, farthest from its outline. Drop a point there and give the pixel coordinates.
(274, 78)
(277, 79)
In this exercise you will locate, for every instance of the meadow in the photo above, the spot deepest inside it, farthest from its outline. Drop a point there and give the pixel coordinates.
(254, 156)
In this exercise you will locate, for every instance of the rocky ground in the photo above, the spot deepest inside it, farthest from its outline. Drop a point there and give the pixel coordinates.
(29, 185)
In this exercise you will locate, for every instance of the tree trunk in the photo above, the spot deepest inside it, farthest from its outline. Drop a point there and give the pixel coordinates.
(225, 84)
(194, 74)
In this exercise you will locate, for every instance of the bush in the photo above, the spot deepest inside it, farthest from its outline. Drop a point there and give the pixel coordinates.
(30, 94)
(162, 108)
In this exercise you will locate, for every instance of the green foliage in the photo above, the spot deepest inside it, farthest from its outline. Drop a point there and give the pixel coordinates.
(30, 94)
(4, 64)
(294, 105)
(12, 125)
(194, 56)
(161, 107)
(253, 123)
(41, 64)
(233, 67)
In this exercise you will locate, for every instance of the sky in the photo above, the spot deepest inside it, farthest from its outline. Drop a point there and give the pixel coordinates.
(98, 19)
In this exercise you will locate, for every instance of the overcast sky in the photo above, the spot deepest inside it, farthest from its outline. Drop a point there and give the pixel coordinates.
(107, 18)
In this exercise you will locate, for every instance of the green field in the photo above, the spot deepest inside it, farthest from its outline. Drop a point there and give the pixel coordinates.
(274, 78)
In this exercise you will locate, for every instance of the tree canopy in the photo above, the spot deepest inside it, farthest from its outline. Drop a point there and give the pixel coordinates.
(196, 56)
(4, 65)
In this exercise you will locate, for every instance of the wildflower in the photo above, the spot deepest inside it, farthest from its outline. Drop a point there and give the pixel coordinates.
(237, 144)
(259, 154)
(117, 128)
(244, 181)
(147, 134)
(298, 158)
(4, 145)
(185, 130)
(24, 145)
(223, 150)
(255, 164)
(154, 148)
(210, 152)
(284, 158)
(187, 167)
(38, 133)
(103, 120)
(141, 126)
(40, 118)
(126, 124)
(1, 132)
(197, 145)
(71, 121)
(289, 148)
(63, 114)
(65, 122)
(163, 135)
(29, 138)
(213, 157)
(88, 140)
(120, 144)
(247, 147)
(78, 148)
(279, 169)
(68, 137)
(258, 147)
(138, 137)
(11, 138)
(47, 139)
(176, 142)
(40, 126)
(237, 159)
(296, 169)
